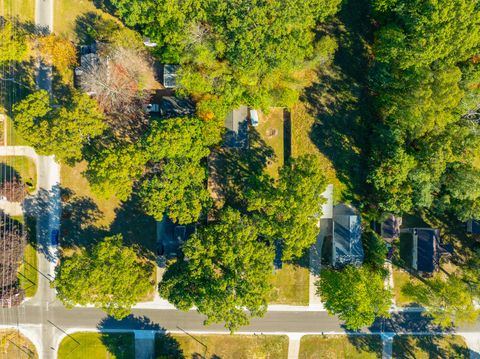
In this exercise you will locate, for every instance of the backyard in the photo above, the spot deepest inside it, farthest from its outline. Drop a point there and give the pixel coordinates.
(429, 346)
(221, 346)
(340, 347)
(15, 345)
(98, 346)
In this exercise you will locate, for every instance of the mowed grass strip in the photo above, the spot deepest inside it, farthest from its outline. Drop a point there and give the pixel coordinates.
(98, 346)
(24, 9)
(221, 346)
(430, 346)
(340, 347)
(290, 285)
(16, 346)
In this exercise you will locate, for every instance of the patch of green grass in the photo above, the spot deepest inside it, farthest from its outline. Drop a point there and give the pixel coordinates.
(98, 346)
(302, 144)
(15, 345)
(72, 179)
(19, 167)
(13, 138)
(429, 346)
(68, 11)
(27, 272)
(270, 129)
(24, 9)
(400, 279)
(290, 285)
(340, 347)
(221, 346)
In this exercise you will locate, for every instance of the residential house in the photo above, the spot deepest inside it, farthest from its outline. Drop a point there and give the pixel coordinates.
(347, 246)
(473, 226)
(236, 124)
(427, 250)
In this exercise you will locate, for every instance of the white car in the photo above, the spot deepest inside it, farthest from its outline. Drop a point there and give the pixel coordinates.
(254, 118)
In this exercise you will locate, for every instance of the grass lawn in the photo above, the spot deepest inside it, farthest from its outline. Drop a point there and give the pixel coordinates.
(270, 129)
(302, 122)
(98, 346)
(400, 278)
(27, 273)
(67, 12)
(429, 346)
(72, 179)
(340, 347)
(222, 346)
(15, 345)
(25, 9)
(19, 167)
(290, 285)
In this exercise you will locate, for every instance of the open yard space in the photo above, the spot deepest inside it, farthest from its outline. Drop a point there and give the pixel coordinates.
(68, 14)
(400, 278)
(27, 272)
(290, 285)
(77, 185)
(98, 346)
(20, 168)
(302, 144)
(271, 131)
(221, 346)
(24, 9)
(340, 347)
(14, 345)
(430, 346)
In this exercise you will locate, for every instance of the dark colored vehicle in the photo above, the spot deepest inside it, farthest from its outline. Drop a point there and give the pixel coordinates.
(390, 253)
(54, 237)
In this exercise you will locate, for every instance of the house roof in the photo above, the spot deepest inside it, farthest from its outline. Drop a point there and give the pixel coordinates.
(427, 241)
(347, 242)
(473, 226)
(170, 75)
(236, 124)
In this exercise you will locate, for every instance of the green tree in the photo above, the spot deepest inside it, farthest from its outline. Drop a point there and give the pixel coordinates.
(291, 208)
(234, 52)
(113, 169)
(178, 190)
(13, 46)
(226, 270)
(417, 33)
(61, 128)
(183, 137)
(448, 302)
(356, 295)
(110, 276)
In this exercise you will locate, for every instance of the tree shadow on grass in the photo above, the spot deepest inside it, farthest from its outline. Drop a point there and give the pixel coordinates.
(165, 345)
(138, 229)
(341, 104)
(79, 217)
(367, 343)
(407, 347)
(91, 27)
(236, 170)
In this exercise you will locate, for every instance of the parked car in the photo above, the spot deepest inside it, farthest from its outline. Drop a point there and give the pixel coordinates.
(254, 118)
(54, 237)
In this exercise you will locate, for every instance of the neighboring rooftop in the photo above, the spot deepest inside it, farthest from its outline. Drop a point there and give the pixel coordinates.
(347, 246)
(236, 124)
(169, 76)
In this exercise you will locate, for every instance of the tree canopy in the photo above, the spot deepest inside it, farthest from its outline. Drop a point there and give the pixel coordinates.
(225, 271)
(356, 295)
(110, 276)
(60, 128)
(291, 208)
(234, 52)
